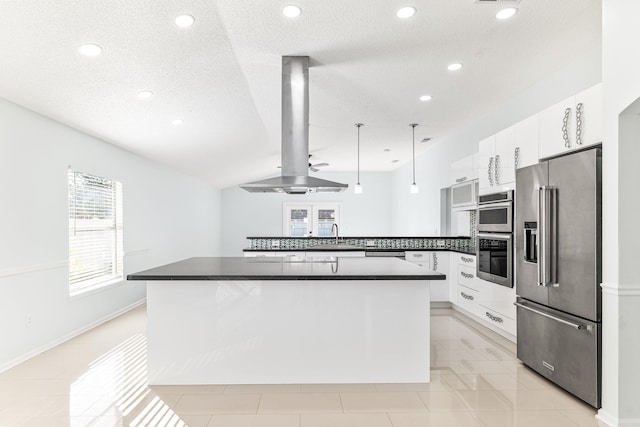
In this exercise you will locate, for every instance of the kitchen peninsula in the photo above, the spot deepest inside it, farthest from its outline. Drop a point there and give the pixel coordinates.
(287, 320)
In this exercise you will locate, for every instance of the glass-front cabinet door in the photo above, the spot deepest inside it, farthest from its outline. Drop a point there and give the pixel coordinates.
(310, 220)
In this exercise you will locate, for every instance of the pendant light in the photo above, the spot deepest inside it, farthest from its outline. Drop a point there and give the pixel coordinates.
(358, 188)
(414, 186)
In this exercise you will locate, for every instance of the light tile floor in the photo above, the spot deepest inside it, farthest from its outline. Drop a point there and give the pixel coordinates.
(98, 380)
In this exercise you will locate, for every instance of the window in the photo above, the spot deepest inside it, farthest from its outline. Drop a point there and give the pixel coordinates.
(306, 219)
(95, 232)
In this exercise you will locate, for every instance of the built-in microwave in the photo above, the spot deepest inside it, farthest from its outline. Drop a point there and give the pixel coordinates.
(495, 212)
(495, 258)
(464, 196)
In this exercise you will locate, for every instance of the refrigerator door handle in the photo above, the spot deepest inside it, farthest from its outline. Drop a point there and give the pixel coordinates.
(547, 238)
(577, 326)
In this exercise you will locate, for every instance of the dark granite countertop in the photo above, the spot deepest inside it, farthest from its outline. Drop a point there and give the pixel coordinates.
(310, 249)
(361, 237)
(288, 268)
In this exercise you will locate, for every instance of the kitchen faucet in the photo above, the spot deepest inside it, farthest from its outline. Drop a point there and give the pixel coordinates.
(336, 227)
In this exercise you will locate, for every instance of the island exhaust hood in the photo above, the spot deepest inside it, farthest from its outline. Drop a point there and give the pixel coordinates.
(295, 177)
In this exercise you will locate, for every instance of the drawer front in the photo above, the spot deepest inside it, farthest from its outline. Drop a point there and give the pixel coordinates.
(559, 351)
(421, 257)
(467, 299)
(498, 320)
(468, 260)
(258, 254)
(497, 298)
(467, 277)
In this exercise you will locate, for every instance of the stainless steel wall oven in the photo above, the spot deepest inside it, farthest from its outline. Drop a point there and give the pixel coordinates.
(495, 240)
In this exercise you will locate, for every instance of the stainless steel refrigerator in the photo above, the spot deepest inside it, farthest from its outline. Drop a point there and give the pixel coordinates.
(559, 271)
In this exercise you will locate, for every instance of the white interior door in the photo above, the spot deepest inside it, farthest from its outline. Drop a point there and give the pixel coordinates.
(310, 219)
(297, 220)
(324, 216)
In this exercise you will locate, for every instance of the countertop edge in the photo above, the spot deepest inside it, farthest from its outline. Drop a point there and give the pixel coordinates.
(134, 277)
(462, 251)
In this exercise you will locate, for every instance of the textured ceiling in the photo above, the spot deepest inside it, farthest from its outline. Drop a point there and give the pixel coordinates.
(222, 75)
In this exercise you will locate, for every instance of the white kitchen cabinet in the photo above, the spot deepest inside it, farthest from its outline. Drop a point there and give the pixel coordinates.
(433, 261)
(440, 288)
(421, 258)
(501, 154)
(463, 271)
(467, 299)
(486, 158)
(504, 171)
(571, 124)
(498, 298)
(462, 170)
(526, 142)
(274, 253)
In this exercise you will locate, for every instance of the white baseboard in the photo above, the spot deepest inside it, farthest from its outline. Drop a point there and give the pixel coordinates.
(608, 419)
(23, 358)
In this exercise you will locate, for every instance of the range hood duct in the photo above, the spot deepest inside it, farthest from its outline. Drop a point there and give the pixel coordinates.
(295, 177)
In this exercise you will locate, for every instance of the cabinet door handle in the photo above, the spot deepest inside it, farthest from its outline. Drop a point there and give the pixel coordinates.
(435, 262)
(417, 255)
(466, 275)
(489, 171)
(516, 157)
(494, 318)
(496, 169)
(579, 123)
(461, 179)
(465, 296)
(465, 259)
(565, 129)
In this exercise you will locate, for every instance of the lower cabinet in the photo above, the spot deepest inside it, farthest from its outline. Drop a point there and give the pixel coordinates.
(437, 261)
(489, 303)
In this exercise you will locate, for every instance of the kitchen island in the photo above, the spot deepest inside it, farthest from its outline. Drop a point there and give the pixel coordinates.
(287, 320)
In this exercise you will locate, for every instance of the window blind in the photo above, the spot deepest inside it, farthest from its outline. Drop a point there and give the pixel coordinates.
(95, 231)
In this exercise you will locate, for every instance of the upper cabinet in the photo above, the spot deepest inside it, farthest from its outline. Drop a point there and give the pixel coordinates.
(501, 154)
(526, 142)
(486, 161)
(463, 170)
(571, 124)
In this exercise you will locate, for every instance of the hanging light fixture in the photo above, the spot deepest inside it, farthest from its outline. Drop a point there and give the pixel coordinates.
(358, 187)
(414, 186)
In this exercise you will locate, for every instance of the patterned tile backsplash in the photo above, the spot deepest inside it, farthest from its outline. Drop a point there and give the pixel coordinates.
(298, 243)
(284, 243)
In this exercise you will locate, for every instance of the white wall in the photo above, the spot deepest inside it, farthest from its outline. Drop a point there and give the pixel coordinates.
(419, 214)
(167, 216)
(621, 152)
(247, 214)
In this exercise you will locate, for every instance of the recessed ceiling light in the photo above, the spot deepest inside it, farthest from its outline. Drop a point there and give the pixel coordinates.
(177, 122)
(425, 98)
(291, 11)
(506, 13)
(406, 12)
(90, 50)
(454, 67)
(145, 94)
(185, 21)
